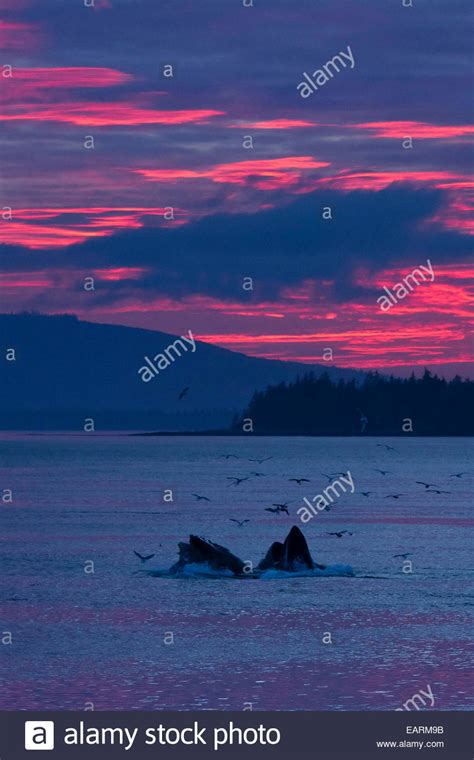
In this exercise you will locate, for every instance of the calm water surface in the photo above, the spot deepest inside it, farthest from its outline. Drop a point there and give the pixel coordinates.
(100, 637)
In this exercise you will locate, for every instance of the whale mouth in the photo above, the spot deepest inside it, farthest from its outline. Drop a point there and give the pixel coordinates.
(202, 558)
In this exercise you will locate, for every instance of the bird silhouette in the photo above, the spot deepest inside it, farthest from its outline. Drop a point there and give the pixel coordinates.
(394, 496)
(458, 474)
(298, 480)
(426, 485)
(403, 556)
(333, 476)
(228, 456)
(258, 474)
(260, 461)
(275, 510)
(383, 472)
(282, 506)
(340, 533)
(143, 557)
(200, 498)
(366, 493)
(183, 393)
(436, 491)
(240, 523)
(237, 481)
(385, 446)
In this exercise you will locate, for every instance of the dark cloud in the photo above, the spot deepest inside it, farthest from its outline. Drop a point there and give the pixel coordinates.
(278, 247)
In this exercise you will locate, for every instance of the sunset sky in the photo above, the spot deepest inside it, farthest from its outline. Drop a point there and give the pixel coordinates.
(71, 73)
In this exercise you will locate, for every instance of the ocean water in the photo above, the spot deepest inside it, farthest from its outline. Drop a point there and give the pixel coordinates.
(120, 638)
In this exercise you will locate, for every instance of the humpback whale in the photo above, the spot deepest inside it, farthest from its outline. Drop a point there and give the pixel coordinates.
(202, 551)
(291, 556)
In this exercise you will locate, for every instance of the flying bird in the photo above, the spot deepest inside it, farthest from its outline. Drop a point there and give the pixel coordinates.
(260, 461)
(436, 491)
(394, 496)
(275, 510)
(228, 456)
(143, 557)
(200, 498)
(237, 481)
(426, 485)
(298, 480)
(333, 475)
(458, 474)
(403, 556)
(282, 506)
(385, 446)
(383, 472)
(258, 474)
(240, 523)
(340, 533)
(366, 493)
(183, 393)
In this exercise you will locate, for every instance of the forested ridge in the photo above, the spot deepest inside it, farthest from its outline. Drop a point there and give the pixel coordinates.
(380, 405)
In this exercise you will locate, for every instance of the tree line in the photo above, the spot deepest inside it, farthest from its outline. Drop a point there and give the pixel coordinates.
(379, 405)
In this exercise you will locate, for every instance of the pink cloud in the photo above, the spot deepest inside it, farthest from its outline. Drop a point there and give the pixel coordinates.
(268, 174)
(414, 129)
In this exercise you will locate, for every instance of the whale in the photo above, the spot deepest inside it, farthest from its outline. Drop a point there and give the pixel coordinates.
(199, 556)
(291, 555)
(201, 551)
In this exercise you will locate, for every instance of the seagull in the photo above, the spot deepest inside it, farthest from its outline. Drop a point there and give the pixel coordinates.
(340, 533)
(143, 557)
(365, 493)
(283, 509)
(435, 491)
(298, 480)
(394, 496)
(240, 523)
(200, 498)
(403, 556)
(383, 472)
(258, 474)
(282, 506)
(333, 476)
(426, 485)
(237, 481)
(228, 456)
(384, 446)
(275, 511)
(458, 474)
(260, 461)
(183, 393)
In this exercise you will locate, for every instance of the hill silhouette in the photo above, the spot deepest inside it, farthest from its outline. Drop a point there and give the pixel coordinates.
(377, 406)
(66, 370)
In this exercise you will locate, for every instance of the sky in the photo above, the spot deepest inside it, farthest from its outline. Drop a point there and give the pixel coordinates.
(165, 150)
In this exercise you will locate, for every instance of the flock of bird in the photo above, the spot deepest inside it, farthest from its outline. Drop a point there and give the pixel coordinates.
(282, 507)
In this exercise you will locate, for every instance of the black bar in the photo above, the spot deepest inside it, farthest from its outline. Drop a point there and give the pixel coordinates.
(303, 735)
